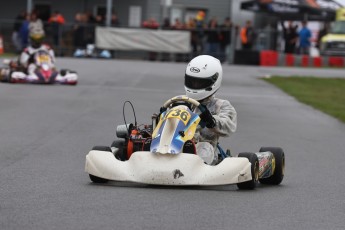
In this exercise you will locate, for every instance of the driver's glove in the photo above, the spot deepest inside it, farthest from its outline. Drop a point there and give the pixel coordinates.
(208, 119)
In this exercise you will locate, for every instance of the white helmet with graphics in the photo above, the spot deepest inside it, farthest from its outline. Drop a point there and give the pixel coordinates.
(203, 77)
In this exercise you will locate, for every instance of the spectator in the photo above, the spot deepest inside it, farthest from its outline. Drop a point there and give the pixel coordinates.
(213, 35)
(56, 20)
(226, 31)
(271, 34)
(200, 17)
(178, 25)
(290, 37)
(89, 17)
(90, 22)
(102, 53)
(151, 23)
(115, 20)
(247, 36)
(16, 31)
(100, 20)
(322, 33)
(79, 34)
(24, 31)
(191, 25)
(166, 26)
(36, 24)
(304, 39)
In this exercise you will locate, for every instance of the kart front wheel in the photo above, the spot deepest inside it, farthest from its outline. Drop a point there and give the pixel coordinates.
(102, 148)
(253, 159)
(96, 179)
(279, 170)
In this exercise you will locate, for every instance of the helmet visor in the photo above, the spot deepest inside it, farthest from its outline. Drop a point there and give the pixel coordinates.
(199, 83)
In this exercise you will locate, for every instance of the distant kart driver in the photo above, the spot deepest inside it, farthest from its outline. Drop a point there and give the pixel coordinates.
(26, 59)
(203, 78)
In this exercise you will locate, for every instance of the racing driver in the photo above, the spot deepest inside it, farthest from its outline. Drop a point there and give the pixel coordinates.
(26, 62)
(203, 78)
(26, 58)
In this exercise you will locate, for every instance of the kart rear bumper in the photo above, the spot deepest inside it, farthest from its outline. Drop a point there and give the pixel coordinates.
(167, 169)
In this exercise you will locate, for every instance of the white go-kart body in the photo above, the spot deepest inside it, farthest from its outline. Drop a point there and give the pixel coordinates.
(167, 164)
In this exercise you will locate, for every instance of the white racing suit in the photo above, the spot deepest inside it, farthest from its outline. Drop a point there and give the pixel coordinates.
(226, 122)
(27, 56)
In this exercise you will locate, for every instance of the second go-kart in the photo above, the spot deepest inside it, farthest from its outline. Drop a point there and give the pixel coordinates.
(44, 72)
(164, 153)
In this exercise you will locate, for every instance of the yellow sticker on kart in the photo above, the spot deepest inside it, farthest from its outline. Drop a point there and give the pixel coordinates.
(43, 58)
(181, 114)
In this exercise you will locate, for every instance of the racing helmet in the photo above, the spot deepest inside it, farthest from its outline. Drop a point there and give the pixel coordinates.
(36, 40)
(203, 77)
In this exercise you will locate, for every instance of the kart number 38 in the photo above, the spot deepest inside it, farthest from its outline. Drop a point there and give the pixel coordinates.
(181, 114)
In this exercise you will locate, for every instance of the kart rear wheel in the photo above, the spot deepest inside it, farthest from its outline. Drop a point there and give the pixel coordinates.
(279, 170)
(96, 179)
(120, 145)
(253, 159)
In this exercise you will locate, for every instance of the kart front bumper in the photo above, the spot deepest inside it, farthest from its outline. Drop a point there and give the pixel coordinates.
(166, 169)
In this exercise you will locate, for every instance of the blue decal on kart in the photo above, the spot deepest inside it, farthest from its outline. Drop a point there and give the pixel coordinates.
(177, 143)
(155, 141)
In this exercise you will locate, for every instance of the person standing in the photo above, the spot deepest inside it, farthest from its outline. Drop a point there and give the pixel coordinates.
(56, 20)
(247, 36)
(36, 24)
(324, 31)
(151, 23)
(213, 38)
(290, 37)
(226, 32)
(24, 31)
(16, 40)
(304, 39)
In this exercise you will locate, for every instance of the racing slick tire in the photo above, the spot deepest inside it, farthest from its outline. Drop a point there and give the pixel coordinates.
(253, 159)
(96, 179)
(120, 145)
(279, 170)
(63, 72)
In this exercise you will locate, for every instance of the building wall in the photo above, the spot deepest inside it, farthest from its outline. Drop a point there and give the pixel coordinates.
(150, 8)
(219, 9)
(10, 10)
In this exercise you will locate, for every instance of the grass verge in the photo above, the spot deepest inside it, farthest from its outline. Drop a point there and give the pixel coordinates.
(325, 94)
(8, 55)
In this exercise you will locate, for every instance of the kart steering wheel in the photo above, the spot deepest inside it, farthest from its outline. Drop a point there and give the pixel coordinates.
(183, 98)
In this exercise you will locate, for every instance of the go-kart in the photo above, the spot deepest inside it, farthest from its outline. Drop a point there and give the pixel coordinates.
(164, 153)
(44, 72)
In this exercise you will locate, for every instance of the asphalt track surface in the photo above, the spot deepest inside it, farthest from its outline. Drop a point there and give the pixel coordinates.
(46, 131)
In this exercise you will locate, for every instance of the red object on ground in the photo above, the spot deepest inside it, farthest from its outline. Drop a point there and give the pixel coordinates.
(289, 60)
(268, 58)
(336, 61)
(305, 60)
(317, 61)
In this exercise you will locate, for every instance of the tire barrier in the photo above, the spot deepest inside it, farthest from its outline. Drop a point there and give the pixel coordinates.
(274, 58)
